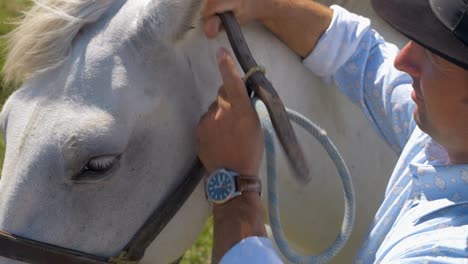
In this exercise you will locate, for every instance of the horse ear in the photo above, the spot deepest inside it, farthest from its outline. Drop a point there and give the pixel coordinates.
(169, 20)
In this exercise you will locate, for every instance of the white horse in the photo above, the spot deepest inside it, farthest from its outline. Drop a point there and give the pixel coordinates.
(104, 127)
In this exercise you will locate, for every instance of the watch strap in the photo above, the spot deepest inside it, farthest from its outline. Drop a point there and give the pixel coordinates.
(246, 183)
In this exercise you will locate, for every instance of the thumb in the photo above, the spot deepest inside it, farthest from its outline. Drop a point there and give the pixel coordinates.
(233, 85)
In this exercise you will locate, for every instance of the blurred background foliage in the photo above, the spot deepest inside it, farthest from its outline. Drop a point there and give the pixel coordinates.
(10, 12)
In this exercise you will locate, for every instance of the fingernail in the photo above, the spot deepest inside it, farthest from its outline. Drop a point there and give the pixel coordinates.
(218, 25)
(220, 54)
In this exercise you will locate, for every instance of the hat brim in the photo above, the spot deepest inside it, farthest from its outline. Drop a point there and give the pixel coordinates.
(416, 20)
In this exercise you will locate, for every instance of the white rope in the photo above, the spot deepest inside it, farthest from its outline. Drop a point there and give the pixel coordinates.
(274, 215)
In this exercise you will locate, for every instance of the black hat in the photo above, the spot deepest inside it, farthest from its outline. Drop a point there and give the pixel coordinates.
(441, 26)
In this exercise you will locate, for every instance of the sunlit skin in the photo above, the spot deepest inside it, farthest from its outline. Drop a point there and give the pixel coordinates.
(441, 97)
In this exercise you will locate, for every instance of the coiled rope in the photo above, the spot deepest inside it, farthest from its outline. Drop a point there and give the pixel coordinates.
(274, 215)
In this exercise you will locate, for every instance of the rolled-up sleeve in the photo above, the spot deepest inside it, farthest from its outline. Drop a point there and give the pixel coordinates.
(360, 62)
(252, 250)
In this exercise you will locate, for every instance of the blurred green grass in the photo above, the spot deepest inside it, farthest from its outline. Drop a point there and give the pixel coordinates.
(200, 253)
(10, 10)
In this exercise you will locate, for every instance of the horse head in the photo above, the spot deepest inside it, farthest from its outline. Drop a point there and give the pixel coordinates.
(103, 127)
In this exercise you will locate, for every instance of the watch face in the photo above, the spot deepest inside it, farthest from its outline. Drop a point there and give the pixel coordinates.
(220, 186)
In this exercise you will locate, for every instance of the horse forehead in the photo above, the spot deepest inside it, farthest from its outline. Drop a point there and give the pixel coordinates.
(35, 120)
(115, 29)
(113, 54)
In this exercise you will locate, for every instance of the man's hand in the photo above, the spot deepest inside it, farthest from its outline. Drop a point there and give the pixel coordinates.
(229, 134)
(298, 23)
(244, 10)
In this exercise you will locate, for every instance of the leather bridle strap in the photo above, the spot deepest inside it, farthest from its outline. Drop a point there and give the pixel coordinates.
(258, 83)
(135, 249)
(35, 252)
(30, 251)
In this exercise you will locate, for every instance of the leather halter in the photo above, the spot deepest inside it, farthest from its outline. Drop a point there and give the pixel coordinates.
(35, 252)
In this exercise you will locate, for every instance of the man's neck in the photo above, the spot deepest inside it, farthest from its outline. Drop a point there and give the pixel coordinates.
(458, 157)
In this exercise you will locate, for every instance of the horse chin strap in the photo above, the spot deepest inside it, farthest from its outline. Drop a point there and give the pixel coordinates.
(35, 252)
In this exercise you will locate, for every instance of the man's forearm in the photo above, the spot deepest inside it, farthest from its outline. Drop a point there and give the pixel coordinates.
(235, 220)
(298, 23)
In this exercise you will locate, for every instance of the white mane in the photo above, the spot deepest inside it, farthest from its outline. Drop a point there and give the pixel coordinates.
(44, 37)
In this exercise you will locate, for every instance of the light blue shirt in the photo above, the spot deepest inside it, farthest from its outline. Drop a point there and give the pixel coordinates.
(424, 216)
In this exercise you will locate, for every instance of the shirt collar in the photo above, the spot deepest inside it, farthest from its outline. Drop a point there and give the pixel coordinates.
(436, 153)
(440, 181)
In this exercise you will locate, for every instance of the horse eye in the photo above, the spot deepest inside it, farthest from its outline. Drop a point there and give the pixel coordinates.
(98, 168)
(101, 164)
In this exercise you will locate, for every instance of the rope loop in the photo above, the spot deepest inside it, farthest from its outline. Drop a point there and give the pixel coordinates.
(273, 198)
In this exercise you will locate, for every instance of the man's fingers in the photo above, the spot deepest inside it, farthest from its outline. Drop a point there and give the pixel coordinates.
(233, 85)
(223, 103)
(210, 113)
(213, 107)
(222, 96)
(212, 26)
(204, 118)
(213, 7)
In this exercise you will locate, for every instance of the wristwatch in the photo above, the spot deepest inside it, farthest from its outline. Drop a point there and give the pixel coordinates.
(222, 185)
